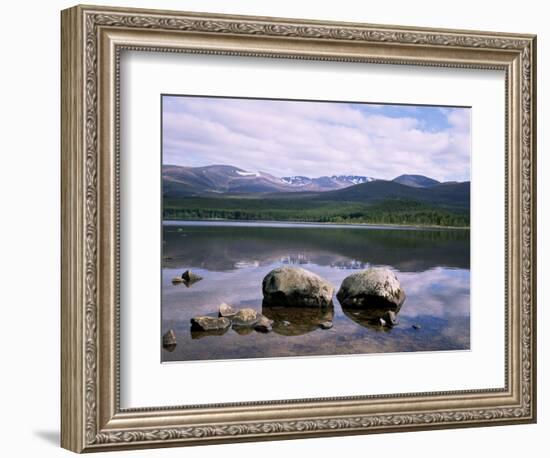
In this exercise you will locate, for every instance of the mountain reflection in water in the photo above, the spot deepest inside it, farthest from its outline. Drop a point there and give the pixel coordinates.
(433, 267)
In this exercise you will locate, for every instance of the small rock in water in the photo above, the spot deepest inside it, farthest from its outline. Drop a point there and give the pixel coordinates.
(209, 323)
(245, 317)
(190, 277)
(264, 324)
(325, 325)
(416, 326)
(169, 338)
(177, 280)
(382, 322)
(227, 311)
(390, 318)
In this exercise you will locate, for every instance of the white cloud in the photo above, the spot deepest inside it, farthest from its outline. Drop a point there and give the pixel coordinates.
(306, 138)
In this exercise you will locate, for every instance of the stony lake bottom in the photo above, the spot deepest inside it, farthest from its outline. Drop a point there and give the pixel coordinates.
(432, 265)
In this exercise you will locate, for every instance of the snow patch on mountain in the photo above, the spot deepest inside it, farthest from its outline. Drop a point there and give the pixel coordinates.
(247, 174)
(296, 180)
(354, 179)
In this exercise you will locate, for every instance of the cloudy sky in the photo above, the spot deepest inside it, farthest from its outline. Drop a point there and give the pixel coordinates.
(317, 138)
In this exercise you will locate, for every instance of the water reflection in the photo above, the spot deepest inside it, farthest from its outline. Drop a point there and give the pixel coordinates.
(200, 334)
(368, 318)
(297, 321)
(432, 266)
(221, 248)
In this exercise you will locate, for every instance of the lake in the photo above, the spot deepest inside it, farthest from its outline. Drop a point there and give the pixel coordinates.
(433, 266)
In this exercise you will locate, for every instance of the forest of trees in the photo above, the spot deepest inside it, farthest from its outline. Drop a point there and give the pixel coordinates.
(389, 211)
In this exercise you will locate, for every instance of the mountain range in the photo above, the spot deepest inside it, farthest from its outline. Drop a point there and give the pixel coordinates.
(181, 181)
(230, 193)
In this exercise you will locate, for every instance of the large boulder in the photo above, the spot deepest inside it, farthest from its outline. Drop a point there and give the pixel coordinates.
(296, 287)
(376, 288)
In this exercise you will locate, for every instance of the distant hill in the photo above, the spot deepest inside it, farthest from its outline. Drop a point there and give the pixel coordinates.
(448, 194)
(181, 181)
(416, 181)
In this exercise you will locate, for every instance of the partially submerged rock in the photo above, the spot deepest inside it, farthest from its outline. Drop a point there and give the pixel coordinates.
(372, 288)
(169, 341)
(190, 276)
(243, 322)
(296, 287)
(325, 325)
(209, 323)
(245, 318)
(187, 278)
(227, 311)
(264, 324)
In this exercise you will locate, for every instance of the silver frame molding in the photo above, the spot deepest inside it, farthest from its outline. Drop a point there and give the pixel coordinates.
(92, 40)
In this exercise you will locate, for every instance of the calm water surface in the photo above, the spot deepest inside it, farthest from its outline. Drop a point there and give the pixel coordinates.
(433, 267)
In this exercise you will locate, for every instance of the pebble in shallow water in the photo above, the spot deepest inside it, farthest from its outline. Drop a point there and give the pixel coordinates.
(169, 341)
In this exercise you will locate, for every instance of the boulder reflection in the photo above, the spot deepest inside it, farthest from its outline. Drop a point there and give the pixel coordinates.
(369, 318)
(243, 330)
(296, 321)
(199, 334)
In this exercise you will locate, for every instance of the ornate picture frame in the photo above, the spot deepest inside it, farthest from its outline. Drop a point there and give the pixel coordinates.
(92, 41)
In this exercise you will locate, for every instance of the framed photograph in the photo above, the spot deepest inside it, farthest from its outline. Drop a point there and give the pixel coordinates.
(278, 228)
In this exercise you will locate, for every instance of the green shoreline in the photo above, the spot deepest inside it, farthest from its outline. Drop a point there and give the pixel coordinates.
(321, 223)
(392, 212)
